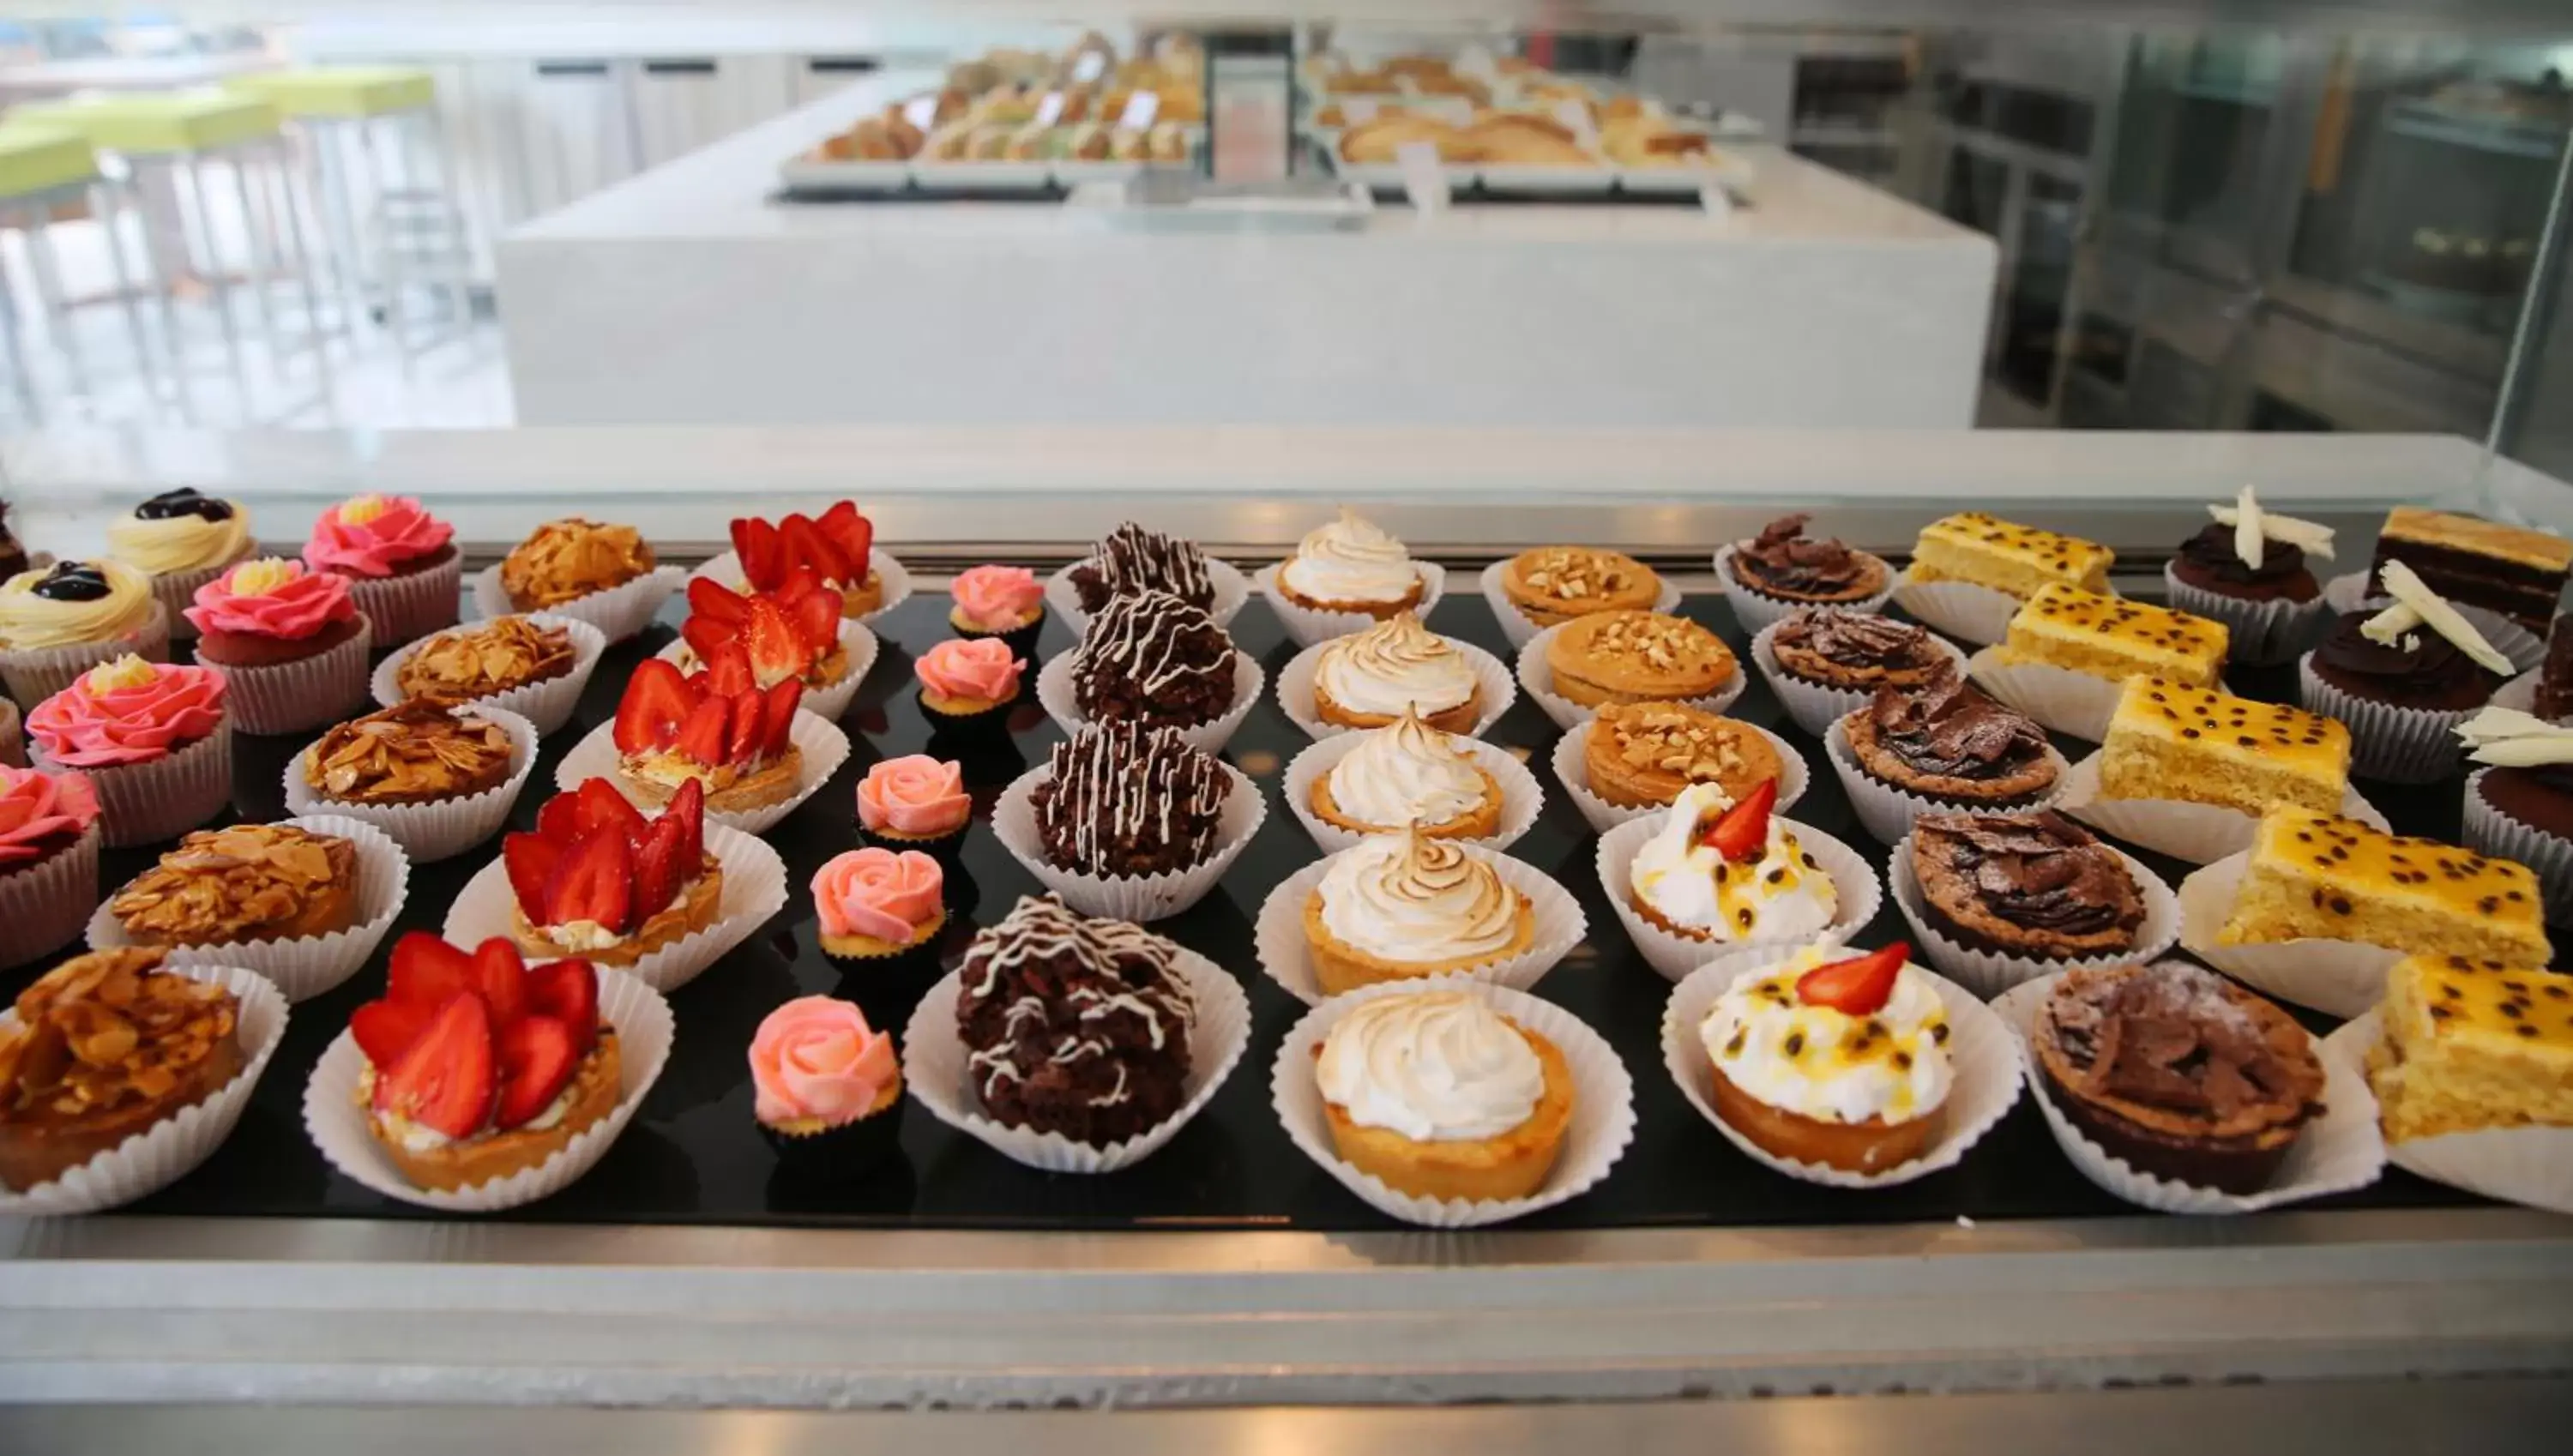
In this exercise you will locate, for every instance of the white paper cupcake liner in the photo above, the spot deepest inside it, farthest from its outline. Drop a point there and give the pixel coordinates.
(37, 673)
(1889, 813)
(754, 888)
(1288, 959)
(1536, 676)
(820, 750)
(618, 612)
(2336, 1152)
(1521, 795)
(2344, 977)
(2529, 1165)
(145, 802)
(1603, 1107)
(2198, 833)
(1054, 690)
(1139, 898)
(177, 590)
(892, 575)
(337, 1123)
(546, 704)
(47, 907)
(2488, 831)
(1990, 972)
(437, 831)
(934, 1069)
(1495, 690)
(2401, 745)
(1232, 592)
(295, 698)
(826, 703)
(175, 1147)
(13, 734)
(1520, 627)
(308, 965)
(1758, 612)
(1962, 610)
(1816, 707)
(2056, 697)
(2263, 633)
(1675, 955)
(1572, 769)
(1981, 1051)
(2525, 649)
(404, 607)
(1308, 625)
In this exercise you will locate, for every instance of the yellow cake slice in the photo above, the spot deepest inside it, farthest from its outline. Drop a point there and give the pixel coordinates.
(2206, 746)
(2325, 877)
(2470, 1044)
(1990, 552)
(2112, 637)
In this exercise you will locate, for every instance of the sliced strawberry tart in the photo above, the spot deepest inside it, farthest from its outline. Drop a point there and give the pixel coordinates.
(598, 879)
(767, 637)
(835, 547)
(717, 728)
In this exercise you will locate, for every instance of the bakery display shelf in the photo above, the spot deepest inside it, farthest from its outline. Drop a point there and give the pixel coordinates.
(828, 193)
(694, 1155)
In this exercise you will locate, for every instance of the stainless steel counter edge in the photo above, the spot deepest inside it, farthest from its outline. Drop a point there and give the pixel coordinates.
(129, 1308)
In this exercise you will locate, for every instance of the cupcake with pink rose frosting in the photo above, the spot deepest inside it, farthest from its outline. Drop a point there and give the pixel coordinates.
(1007, 603)
(47, 861)
(400, 562)
(915, 802)
(880, 910)
(288, 641)
(826, 1087)
(154, 740)
(968, 681)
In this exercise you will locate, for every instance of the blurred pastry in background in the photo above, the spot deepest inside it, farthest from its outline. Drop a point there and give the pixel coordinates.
(1651, 141)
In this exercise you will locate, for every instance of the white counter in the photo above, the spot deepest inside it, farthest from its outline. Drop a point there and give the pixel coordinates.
(687, 295)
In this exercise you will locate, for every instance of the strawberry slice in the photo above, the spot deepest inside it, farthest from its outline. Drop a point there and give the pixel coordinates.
(447, 1079)
(1858, 987)
(702, 738)
(777, 650)
(428, 973)
(658, 871)
(559, 820)
(762, 552)
(386, 1029)
(501, 976)
(656, 703)
(688, 811)
(531, 860)
(816, 616)
(602, 807)
(594, 883)
(805, 542)
(566, 992)
(1742, 832)
(539, 1056)
(705, 637)
(714, 601)
(741, 744)
(852, 532)
(728, 668)
(777, 717)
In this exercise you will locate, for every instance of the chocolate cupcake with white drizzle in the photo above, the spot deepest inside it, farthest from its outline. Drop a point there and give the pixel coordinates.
(1153, 660)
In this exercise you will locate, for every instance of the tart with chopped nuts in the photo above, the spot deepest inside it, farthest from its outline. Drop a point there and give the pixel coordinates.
(484, 659)
(417, 752)
(104, 1046)
(1641, 755)
(246, 882)
(1554, 584)
(1632, 657)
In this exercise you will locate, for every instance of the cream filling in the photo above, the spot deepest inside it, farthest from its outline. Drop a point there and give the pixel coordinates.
(1778, 895)
(1824, 1063)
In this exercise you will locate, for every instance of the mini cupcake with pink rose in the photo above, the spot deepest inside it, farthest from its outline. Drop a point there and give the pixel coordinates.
(969, 683)
(915, 802)
(401, 563)
(288, 641)
(826, 1087)
(47, 861)
(154, 740)
(1007, 603)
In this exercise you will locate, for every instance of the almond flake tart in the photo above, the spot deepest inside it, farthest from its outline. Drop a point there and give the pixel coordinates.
(416, 752)
(104, 1046)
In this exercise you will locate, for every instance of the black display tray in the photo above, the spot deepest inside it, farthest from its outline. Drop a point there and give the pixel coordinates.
(694, 1157)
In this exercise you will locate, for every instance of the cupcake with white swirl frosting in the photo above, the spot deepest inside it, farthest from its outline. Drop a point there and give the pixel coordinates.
(1404, 905)
(1372, 679)
(1410, 774)
(1438, 1096)
(1350, 566)
(182, 539)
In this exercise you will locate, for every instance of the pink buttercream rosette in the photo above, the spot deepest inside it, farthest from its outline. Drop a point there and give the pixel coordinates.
(972, 667)
(158, 753)
(998, 601)
(886, 895)
(914, 801)
(815, 1060)
(376, 556)
(306, 692)
(47, 892)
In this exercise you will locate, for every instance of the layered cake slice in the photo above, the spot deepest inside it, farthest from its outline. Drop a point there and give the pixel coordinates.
(2206, 746)
(2470, 1044)
(2322, 876)
(2112, 637)
(2465, 559)
(2555, 678)
(2006, 556)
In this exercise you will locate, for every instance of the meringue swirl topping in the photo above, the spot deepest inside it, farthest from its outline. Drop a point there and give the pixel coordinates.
(1410, 771)
(1410, 898)
(1435, 1067)
(1350, 559)
(1394, 665)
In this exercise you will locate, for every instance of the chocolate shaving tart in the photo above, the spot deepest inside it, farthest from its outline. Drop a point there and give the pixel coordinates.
(1781, 562)
(2033, 885)
(477, 661)
(103, 1046)
(246, 882)
(1151, 657)
(1950, 740)
(1122, 799)
(1131, 558)
(413, 753)
(1073, 1025)
(1856, 650)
